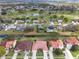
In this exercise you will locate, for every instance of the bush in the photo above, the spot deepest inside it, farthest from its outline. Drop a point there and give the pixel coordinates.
(34, 9)
(61, 17)
(57, 52)
(2, 51)
(55, 16)
(75, 48)
(65, 20)
(41, 11)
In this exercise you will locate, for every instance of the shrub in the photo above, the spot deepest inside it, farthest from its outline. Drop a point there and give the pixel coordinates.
(55, 16)
(57, 51)
(41, 11)
(61, 17)
(75, 48)
(65, 20)
(34, 9)
(2, 51)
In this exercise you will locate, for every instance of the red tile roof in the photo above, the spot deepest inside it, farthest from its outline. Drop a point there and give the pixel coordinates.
(56, 43)
(7, 44)
(72, 40)
(40, 45)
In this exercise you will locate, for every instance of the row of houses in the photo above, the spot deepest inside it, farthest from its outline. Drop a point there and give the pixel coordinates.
(28, 46)
(58, 7)
(22, 25)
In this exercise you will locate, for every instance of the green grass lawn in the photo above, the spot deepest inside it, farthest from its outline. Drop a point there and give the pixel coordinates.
(40, 54)
(45, 15)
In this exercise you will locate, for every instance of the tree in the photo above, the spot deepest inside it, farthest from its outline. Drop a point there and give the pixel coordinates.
(34, 10)
(20, 17)
(61, 17)
(54, 16)
(2, 51)
(75, 48)
(1, 20)
(41, 17)
(65, 20)
(41, 11)
(49, 13)
(57, 51)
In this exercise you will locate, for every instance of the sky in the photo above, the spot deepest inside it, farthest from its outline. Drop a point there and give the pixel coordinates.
(38, 0)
